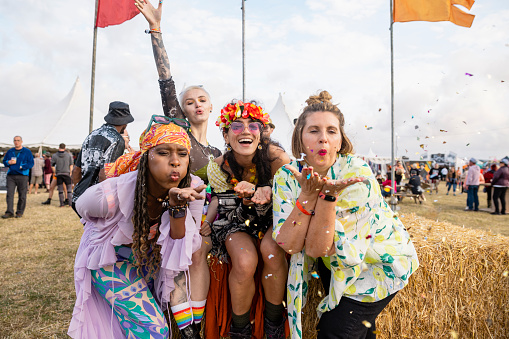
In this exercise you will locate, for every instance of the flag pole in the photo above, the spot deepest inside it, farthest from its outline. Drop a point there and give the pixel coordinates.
(92, 82)
(243, 50)
(393, 178)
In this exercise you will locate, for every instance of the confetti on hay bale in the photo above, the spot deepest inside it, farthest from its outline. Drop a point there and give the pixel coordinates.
(461, 289)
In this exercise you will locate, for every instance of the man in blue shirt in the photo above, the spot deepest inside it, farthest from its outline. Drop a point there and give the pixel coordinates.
(19, 160)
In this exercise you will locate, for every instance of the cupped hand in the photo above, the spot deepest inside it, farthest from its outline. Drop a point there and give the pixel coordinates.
(152, 14)
(180, 196)
(245, 189)
(263, 195)
(310, 181)
(334, 187)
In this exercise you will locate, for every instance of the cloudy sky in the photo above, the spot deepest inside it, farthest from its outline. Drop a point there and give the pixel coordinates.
(295, 48)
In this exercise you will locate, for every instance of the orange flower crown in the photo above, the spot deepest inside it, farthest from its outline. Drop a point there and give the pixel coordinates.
(231, 112)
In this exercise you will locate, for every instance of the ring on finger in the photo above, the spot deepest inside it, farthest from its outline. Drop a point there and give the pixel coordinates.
(178, 197)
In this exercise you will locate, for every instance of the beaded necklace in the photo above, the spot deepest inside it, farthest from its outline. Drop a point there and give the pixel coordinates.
(252, 178)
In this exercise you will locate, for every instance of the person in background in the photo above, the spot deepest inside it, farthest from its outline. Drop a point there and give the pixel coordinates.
(414, 170)
(500, 183)
(37, 173)
(62, 163)
(387, 186)
(443, 173)
(103, 145)
(269, 128)
(452, 181)
(434, 176)
(472, 185)
(399, 172)
(488, 175)
(329, 213)
(127, 139)
(19, 160)
(48, 171)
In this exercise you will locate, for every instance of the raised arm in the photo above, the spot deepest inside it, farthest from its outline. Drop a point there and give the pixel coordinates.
(169, 99)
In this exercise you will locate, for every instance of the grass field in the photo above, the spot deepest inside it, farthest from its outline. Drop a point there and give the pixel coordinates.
(37, 251)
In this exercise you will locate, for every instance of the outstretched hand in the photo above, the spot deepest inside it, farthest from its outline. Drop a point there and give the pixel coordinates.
(263, 195)
(245, 189)
(152, 14)
(334, 187)
(310, 181)
(180, 196)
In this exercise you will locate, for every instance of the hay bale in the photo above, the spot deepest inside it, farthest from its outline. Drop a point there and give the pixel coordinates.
(461, 289)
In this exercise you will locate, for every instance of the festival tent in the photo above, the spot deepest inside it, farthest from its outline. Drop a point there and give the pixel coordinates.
(284, 125)
(67, 122)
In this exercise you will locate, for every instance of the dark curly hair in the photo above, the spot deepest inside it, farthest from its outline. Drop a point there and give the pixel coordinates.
(261, 159)
(141, 222)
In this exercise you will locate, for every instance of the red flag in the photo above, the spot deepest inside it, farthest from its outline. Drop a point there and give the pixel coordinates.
(115, 12)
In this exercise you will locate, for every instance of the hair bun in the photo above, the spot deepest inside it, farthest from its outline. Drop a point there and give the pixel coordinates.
(323, 97)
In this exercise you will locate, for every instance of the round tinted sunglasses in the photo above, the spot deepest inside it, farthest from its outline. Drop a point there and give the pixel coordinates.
(162, 119)
(253, 127)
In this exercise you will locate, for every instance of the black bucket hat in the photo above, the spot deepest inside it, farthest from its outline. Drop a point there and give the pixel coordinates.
(118, 114)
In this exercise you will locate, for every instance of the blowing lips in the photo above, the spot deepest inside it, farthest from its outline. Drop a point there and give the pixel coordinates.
(174, 176)
(322, 152)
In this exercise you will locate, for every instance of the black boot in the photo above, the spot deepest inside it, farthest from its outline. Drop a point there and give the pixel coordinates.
(273, 330)
(47, 202)
(240, 333)
(190, 332)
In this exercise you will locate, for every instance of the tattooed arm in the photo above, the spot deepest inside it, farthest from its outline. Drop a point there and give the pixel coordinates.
(169, 99)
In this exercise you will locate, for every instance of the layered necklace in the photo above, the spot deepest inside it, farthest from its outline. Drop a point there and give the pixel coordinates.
(165, 203)
(201, 147)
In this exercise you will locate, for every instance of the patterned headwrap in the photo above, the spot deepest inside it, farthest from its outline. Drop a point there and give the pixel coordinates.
(158, 134)
(231, 112)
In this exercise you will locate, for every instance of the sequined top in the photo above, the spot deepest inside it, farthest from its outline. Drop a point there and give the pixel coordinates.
(374, 255)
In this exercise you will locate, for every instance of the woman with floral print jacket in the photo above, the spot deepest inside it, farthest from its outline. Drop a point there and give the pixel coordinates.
(329, 213)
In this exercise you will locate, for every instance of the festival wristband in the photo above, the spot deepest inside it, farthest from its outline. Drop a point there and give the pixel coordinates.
(327, 197)
(303, 210)
(155, 30)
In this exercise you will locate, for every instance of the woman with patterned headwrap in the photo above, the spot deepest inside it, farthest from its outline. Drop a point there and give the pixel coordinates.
(140, 230)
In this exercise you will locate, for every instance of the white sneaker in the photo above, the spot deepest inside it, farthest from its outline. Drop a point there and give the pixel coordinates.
(466, 208)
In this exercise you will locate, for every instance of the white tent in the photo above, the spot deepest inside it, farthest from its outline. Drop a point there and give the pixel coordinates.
(67, 122)
(284, 125)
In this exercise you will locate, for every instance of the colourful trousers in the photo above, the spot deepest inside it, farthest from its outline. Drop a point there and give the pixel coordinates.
(127, 292)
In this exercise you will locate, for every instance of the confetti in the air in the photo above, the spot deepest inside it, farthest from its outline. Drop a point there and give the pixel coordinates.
(470, 75)
(443, 130)
(366, 323)
(315, 275)
(247, 222)
(302, 155)
(416, 126)
(468, 144)
(271, 256)
(309, 176)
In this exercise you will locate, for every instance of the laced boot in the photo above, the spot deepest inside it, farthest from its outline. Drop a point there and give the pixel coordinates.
(274, 330)
(190, 332)
(241, 333)
(47, 202)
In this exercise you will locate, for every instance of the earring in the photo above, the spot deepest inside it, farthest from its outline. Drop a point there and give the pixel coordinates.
(228, 148)
(259, 146)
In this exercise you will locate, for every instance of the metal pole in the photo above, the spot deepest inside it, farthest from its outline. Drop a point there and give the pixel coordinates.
(394, 201)
(92, 82)
(243, 50)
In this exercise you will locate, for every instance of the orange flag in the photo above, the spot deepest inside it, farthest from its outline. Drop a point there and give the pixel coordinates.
(433, 10)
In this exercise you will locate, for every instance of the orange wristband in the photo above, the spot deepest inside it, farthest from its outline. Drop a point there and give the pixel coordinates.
(303, 210)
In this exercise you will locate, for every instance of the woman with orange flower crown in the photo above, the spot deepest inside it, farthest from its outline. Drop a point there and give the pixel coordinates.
(140, 230)
(195, 107)
(241, 182)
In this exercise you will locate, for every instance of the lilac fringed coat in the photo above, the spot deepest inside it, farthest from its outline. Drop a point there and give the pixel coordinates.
(107, 210)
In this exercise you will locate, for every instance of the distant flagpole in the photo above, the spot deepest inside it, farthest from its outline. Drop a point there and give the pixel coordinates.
(243, 50)
(393, 201)
(92, 82)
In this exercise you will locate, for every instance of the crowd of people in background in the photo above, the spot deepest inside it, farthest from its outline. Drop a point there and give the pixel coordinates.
(467, 179)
